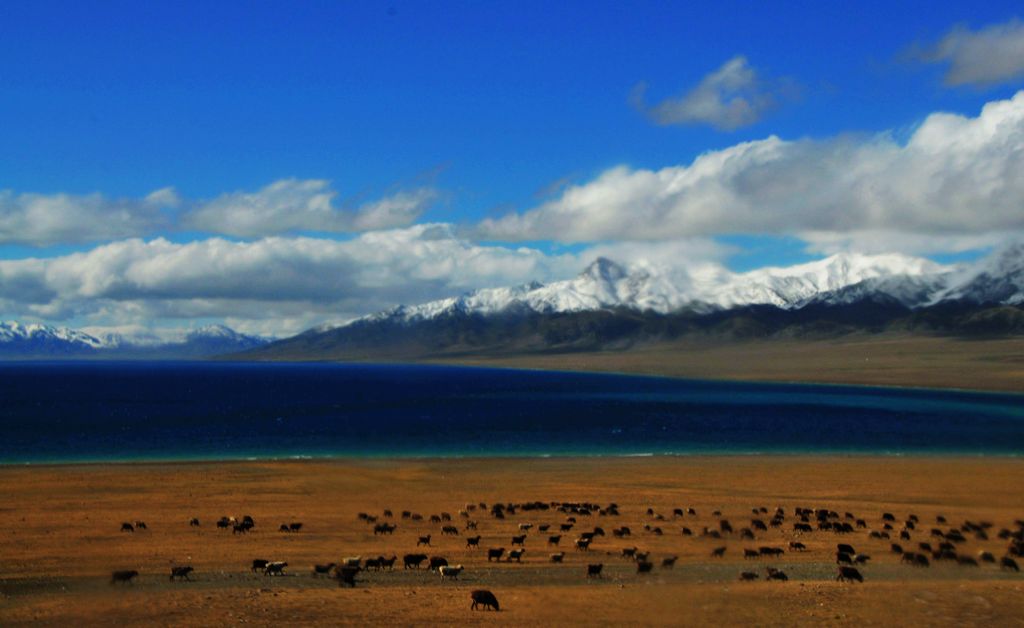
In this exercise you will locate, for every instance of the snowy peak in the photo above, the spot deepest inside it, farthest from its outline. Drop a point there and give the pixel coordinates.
(606, 284)
(996, 279)
(12, 332)
(218, 332)
(604, 270)
(35, 340)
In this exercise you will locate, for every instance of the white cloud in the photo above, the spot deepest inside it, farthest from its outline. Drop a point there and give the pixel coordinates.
(955, 176)
(992, 55)
(293, 205)
(46, 219)
(270, 285)
(285, 206)
(729, 98)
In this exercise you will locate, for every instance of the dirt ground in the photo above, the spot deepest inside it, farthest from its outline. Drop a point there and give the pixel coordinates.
(60, 540)
(880, 360)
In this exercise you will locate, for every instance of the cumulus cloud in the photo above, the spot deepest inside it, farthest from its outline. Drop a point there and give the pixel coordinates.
(301, 279)
(294, 205)
(729, 98)
(992, 55)
(955, 176)
(46, 219)
(283, 207)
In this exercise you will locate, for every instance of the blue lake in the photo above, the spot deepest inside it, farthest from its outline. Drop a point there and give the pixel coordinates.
(89, 411)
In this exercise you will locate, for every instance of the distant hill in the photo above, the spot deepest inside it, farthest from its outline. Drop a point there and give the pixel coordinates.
(35, 341)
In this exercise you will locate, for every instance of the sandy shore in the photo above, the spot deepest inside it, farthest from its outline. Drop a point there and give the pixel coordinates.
(60, 540)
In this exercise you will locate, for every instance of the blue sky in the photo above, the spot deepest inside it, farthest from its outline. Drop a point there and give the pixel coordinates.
(478, 116)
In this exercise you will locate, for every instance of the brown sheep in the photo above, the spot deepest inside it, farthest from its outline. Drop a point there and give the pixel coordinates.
(482, 597)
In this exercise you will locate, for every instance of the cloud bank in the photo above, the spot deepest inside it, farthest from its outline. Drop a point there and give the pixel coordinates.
(283, 207)
(956, 176)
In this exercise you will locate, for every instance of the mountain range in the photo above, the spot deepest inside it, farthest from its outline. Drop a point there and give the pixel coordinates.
(19, 341)
(614, 306)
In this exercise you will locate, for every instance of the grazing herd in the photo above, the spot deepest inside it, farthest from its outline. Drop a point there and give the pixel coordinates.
(919, 546)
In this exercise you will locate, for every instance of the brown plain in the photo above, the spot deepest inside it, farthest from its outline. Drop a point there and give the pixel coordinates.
(884, 360)
(60, 540)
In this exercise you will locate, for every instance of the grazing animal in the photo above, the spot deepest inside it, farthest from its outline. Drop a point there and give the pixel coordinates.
(525, 527)
(718, 552)
(423, 540)
(1009, 564)
(644, 567)
(483, 597)
(294, 527)
(450, 530)
(861, 559)
(594, 571)
(241, 528)
(495, 553)
(687, 532)
(516, 554)
(123, 576)
(140, 525)
(797, 545)
(554, 539)
(323, 570)
(896, 548)
(557, 558)
(842, 558)
(346, 575)
(849, 574)
(283, 528)
(987, 557)
(669, 562)
(519, 540)
(450, 572)
(967, 561)
(413, 561)
(565, 527)
(749, 553)
(845, 548)
(748, 576)
(777, 574)
(582, 545)
(473, 541)
(181, 572)
(127, 527)
(544, 528)
(193, 522)
(223, 523)
(275, 568)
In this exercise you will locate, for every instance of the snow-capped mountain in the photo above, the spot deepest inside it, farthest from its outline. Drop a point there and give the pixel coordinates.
(997, 279)
(610, 306)
(45, 339)
(37, 340)
(606, 284)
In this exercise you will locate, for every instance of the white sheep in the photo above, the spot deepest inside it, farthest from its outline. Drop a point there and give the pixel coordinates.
(450, 572)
